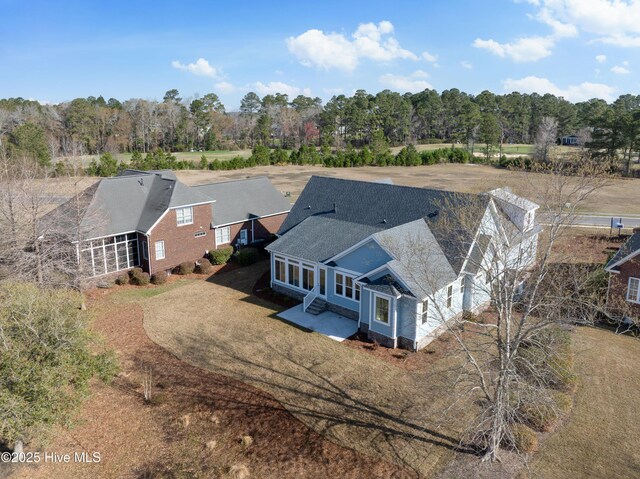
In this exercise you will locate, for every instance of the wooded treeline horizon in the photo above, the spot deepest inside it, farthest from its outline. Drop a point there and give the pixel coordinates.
(94, 125)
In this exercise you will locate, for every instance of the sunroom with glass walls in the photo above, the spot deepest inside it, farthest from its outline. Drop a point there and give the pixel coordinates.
(109, 254)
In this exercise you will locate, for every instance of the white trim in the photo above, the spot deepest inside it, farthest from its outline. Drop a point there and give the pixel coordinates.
(192, 204)
(164, 253)
(354, 283)
(637, 300)
(191, 215)
(311, 266)
(248, 219)
(215, 233)
(623, 260)
(390, 300)
(105, 236)
(148, 232)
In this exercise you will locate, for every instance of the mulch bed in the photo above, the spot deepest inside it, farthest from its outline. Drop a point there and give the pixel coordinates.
(283, 446)
(219, 408)
(262, 289)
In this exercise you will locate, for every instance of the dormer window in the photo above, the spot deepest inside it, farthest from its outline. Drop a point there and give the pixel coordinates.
(184, 216)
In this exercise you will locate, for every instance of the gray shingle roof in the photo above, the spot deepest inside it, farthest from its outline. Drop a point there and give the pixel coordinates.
(129, 202)
(419, 260)
(242, 200)
(385, 206)
(631, 245)
(319, 238)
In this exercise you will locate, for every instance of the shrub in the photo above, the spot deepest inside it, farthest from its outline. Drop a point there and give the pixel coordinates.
(203, 266)
(186, 267)
(221, 256)
(524, 438)
(122, 279)
(544, 414)
(548, 355)
(159, 278)
(140, 279)
(247, 256)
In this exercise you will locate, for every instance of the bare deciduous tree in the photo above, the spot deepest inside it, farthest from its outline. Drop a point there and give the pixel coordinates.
(530, 286)
(546, 138)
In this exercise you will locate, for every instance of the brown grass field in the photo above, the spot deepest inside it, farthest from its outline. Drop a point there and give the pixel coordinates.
(312, 407)
(612, 198)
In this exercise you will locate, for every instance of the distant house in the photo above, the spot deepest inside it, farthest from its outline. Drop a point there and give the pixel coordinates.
(623, 295)
(152, 220)
(570, 140)
(379, 254)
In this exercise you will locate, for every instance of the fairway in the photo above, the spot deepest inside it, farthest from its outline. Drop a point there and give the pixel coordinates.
(612, 198)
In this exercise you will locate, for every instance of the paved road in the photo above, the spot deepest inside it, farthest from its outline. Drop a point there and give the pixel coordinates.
(603, 221)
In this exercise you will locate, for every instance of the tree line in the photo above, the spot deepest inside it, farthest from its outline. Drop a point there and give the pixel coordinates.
(94, 125)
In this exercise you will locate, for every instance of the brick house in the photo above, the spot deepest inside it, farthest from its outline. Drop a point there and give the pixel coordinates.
(152, 220)
(623, 295)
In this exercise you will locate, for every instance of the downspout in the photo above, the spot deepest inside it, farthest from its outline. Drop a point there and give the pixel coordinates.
(415, 328)
(253, 237)
(395, 322)
(148, 252)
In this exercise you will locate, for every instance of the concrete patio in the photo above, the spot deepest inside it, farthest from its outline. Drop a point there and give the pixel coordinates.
(330, 324)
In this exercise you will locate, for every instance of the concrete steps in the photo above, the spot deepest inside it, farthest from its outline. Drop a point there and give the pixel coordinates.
(317, 306)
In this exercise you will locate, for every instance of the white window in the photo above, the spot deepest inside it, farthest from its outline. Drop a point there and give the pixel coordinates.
(449, 295)
(244, 237)
(280, 269)
(425, 311)
(184, 216)
(160, 249)
(294, 273)
(382, 310)
(223, 235)
(346, 287)
(308, 273)
(633, 291)
(200, 234)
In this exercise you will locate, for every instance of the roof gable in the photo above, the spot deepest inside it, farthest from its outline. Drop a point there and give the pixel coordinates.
(384, 206)
(627, 251)
(242, 200)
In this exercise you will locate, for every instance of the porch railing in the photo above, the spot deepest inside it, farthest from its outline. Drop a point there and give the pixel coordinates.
(310, 298)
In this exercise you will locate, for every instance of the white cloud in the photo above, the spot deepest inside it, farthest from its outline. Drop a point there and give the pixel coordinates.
(274, 87)
(615, 22)
(333, 91)
(618, 40)
(430, 57)
(601, 58)
(225, 87)
(527, 49)
(467, 65)
(413, 83)
(582, 92)
(201, 68)
(620, 70)
(315, 48)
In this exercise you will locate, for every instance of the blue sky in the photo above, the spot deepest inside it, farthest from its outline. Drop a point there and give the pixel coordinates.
(56, 51)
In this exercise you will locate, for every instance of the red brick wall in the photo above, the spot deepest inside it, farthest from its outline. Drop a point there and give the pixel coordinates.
(620, 282)
(180, 244)
(263, 228)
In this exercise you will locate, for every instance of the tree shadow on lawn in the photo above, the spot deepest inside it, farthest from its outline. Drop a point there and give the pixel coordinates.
(391, 427)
